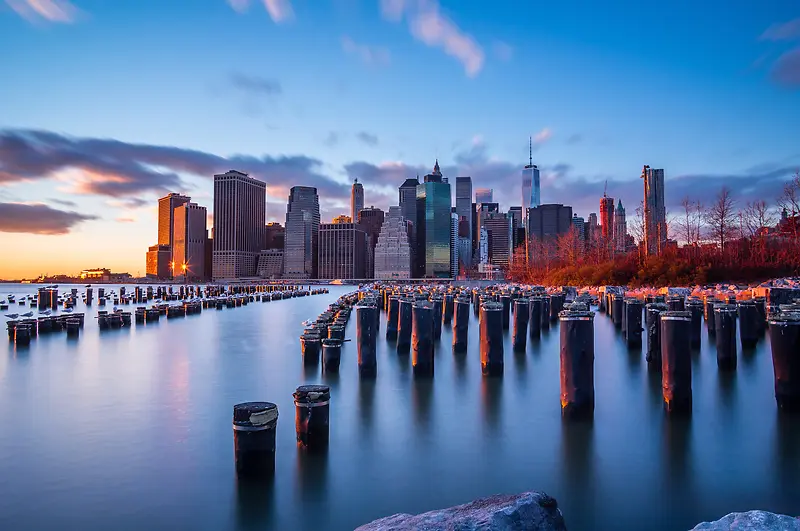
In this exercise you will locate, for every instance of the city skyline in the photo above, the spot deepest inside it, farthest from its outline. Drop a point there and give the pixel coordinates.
(73, 175)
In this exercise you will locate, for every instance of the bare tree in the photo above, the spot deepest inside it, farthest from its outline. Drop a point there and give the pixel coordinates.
(722, 219)
(789, 201)
(757, 217)
(685, 224)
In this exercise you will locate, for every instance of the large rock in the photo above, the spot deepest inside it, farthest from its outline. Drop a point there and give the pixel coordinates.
(752, 521)
(529, 511)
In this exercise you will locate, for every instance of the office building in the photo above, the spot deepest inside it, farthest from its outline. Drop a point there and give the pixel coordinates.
(209, 256)
(655, 214)
(342, 251)
(240, 206)
(356, 200)
(158, 259)
(275, 236)
(270, 263)
(166, 210)
(392, 249)
(530, 183)
(408, 207)
(189, 248)
(498, 228)
(545, 224)
(433, 226)
(464, 211)
(607, 219)
(302, 231)
(453, 244)
(465, 248)
(517, 215)
(371, 221)
(342, 218)
(592, 229)
(483, 247)
(579, 224)
(620, 229)
(484, 195)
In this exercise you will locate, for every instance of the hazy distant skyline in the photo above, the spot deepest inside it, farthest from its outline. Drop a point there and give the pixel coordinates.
(105, 106)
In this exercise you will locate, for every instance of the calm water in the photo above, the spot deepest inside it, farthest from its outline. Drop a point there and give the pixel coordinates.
(131, 429)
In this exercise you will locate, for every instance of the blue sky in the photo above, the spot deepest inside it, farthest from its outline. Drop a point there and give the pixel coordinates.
(107, 104)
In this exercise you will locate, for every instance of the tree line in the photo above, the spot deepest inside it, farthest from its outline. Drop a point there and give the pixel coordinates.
(723, 241)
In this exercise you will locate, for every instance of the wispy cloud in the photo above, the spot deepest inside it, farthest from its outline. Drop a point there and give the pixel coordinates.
(332, 139)
(279, 10)
(62, 202)
(369, 55)
(52, 10)
(429, 25)
(38, 219)
(367, 138)
(125, 220)
(786, 31)
(575, 138)
(542, 136)
(256, 84)
(125, 171)
(786, 70)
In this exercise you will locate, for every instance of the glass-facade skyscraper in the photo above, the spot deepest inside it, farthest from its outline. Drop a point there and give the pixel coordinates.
(433, 226)
(655, 214)
(302, 232)
(464, 212)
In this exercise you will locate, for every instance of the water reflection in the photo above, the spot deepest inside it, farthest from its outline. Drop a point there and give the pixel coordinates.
(749, 357)
(366, 402)
(677, 434)
(312, 486)
(521, 368)
(655, 391)
(786, 459)
(726, 382)
(255, 502)
(634, 358)
(491, 396)
(577, 455)
(422, 399)
(460, 367)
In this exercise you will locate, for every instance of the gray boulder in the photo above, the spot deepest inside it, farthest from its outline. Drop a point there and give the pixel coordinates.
(529, 511)
(751, 521)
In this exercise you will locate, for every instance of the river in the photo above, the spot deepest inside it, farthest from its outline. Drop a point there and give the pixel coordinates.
(131, 429)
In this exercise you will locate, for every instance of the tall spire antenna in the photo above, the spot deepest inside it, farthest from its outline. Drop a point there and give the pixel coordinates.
(530, 147)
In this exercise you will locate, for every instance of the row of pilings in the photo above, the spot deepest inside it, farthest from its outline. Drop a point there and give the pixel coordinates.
(673, 327)
(191, 300)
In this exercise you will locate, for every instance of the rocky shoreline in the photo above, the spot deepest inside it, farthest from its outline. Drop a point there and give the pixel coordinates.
(536, 511)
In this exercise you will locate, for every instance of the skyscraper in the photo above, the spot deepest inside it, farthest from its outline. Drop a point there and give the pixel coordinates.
(302, 231)
(530, 183)
(607, 219)
(620, 229)
(188, 252)
(408, 207)
(158, 258)
(579, 224)
(498, 227)
(545, 224)
(371, 221)
(356, 200)
(166, 210)
(483, 195)
(464, 211)
(392, 250)
(453, 244)
(342, 251)
(433, 226)
(240, 206)
(275, 236)
(655, 214)
(592, 228)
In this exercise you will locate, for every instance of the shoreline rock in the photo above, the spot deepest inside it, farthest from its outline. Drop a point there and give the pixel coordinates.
(528, 511)
(751, 521)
